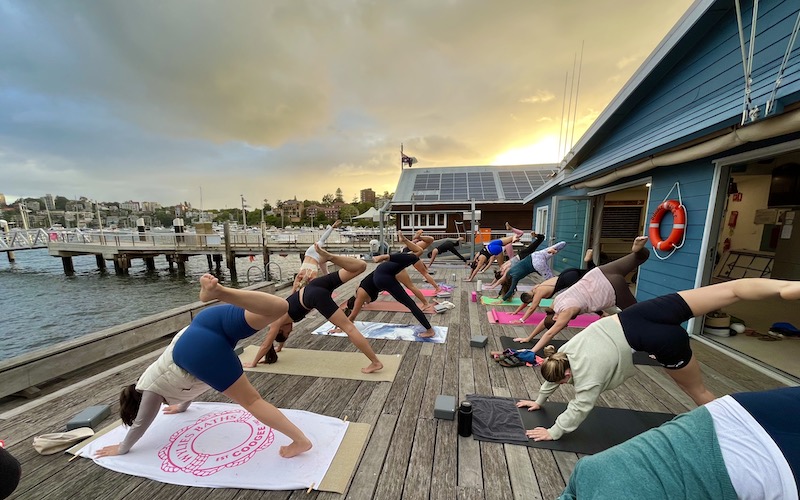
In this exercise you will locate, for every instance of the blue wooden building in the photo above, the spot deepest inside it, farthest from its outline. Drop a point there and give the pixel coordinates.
(712, 119)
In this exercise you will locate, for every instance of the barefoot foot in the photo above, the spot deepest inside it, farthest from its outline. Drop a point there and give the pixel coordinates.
(294, 449)
(588, 256)
(373, 367)
(427, 334)
(638, 243)
(209, 287)
(324, 254)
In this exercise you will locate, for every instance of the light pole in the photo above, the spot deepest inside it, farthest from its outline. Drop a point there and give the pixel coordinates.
(244, 217)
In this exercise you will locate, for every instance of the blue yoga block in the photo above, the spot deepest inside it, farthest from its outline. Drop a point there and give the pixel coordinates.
(478, 341)
(445, 407)
(90, 417)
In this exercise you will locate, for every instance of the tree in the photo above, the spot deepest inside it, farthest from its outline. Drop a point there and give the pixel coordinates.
(61, 202)
(347, 212)
(328, 199)
(339, 194)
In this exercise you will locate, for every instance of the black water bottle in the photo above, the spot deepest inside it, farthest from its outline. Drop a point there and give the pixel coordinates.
(465, 419)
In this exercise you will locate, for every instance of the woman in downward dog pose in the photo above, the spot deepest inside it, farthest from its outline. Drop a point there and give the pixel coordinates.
(485, 257)
(552, 286)
(313, 263)
(600, 357)
(317, 295)
(537, 261)
(384, 277)
(599, 289)
(202, 356)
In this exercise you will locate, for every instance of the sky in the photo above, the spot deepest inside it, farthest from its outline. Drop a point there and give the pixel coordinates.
(207, 101)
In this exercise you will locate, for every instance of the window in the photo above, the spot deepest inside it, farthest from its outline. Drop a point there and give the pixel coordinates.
(423, 221)
(541, 220)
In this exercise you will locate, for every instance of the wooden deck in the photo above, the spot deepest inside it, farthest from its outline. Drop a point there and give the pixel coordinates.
(409, 454)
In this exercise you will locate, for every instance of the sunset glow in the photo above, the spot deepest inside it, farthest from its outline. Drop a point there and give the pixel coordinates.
(544, 151)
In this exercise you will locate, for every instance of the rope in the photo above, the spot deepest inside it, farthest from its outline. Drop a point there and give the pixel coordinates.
(792, 39)
(683, 240)
(747, 61)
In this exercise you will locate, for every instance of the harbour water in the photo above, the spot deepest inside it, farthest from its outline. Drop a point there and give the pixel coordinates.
(40, 306)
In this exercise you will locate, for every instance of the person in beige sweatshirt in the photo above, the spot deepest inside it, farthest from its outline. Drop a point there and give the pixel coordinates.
(600, 357)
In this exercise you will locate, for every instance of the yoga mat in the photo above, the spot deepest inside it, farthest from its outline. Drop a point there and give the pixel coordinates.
(520, 288)
(220, 445)
(639, 357)
(389, 305)
(327, 364)
(504, 318)
(387, 331)
(513, 302)
(428, 292)
(498, 420)
(459, 264)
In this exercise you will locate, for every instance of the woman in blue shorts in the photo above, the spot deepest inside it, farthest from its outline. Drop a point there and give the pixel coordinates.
(484, 258)
(202, 356)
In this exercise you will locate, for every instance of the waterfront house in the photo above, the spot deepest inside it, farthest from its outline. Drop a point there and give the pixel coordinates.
(694, 125)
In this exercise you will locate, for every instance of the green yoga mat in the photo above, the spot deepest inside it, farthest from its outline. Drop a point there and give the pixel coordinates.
(513, 302)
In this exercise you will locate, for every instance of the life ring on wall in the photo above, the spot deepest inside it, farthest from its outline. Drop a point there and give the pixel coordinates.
(678, 225)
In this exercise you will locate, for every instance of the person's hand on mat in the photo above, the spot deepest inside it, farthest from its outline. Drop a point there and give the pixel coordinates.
(539, 434)
(527, 403)
(521, 339)
(173, 409)
(107, 451)
(250, 364)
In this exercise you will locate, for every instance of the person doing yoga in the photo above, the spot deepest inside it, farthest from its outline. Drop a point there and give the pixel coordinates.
(313, 264)
(744, 445)
(599, 289)
(600, 357)
(417, 244)
(317, 295)
(536, 240)
(446, 245)
(537, 261)
(552, 286)
(384, 277)
(484, 258)
(202, 356)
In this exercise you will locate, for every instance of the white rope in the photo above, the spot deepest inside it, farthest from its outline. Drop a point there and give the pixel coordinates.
(683, 240)
(792, 39)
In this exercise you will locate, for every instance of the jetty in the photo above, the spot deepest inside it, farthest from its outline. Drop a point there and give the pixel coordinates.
(409, 454)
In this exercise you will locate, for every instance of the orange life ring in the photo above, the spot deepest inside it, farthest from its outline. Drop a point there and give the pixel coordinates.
(678, 225)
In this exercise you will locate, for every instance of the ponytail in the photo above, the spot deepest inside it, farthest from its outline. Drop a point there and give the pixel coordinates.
(555, 365)
(129, 401)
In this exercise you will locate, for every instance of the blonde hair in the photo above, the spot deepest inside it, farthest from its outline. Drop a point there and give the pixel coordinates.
(555, 365)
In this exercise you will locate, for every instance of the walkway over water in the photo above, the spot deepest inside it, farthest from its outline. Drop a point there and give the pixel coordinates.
(408, 455)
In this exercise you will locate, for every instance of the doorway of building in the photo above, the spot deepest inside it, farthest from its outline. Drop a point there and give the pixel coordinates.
(754, 237)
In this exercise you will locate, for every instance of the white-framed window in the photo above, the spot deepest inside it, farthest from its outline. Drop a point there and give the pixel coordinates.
(423, 221)
(541, 220)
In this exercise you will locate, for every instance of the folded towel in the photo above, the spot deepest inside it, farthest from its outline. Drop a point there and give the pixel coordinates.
(48, 444)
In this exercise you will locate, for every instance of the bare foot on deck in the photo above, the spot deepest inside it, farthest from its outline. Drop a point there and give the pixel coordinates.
(427, 334)
(209, 287)
(373, 367)
(294, 449)
(588, 256)
(638, 243)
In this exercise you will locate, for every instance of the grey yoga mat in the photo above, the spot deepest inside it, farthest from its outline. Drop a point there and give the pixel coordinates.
(639, 357)
(498, 420)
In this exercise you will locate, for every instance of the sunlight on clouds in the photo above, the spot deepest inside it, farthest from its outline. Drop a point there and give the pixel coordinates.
(544, 151)
(539, 96)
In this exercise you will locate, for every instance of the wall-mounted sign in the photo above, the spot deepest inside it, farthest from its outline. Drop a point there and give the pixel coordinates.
(765, 216)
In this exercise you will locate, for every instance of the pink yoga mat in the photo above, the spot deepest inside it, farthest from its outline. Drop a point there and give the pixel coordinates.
(504, 318)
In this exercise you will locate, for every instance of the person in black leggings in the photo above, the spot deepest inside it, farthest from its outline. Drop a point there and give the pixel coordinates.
(599, 289)
(446, 245)
(384, 277)
(10, 473)
(317, 295)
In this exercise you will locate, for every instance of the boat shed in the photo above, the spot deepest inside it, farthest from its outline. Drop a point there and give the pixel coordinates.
(711, 120)
(444, 199)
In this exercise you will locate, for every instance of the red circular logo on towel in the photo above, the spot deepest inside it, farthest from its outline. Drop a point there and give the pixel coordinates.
(215, 442)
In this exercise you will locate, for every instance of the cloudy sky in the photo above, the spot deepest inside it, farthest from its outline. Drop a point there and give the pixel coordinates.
(162, 100)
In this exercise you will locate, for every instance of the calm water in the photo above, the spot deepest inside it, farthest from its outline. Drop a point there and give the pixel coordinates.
(40, 306)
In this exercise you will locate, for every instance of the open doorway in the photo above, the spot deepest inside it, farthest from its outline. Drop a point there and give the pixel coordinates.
(755, 238)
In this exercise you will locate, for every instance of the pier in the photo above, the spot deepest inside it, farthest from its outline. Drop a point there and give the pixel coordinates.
(121, 248)
(409, 454)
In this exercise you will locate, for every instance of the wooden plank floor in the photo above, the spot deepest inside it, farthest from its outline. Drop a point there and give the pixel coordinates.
(409, 454)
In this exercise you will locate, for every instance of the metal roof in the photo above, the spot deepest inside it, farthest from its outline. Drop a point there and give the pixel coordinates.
(475, 183)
